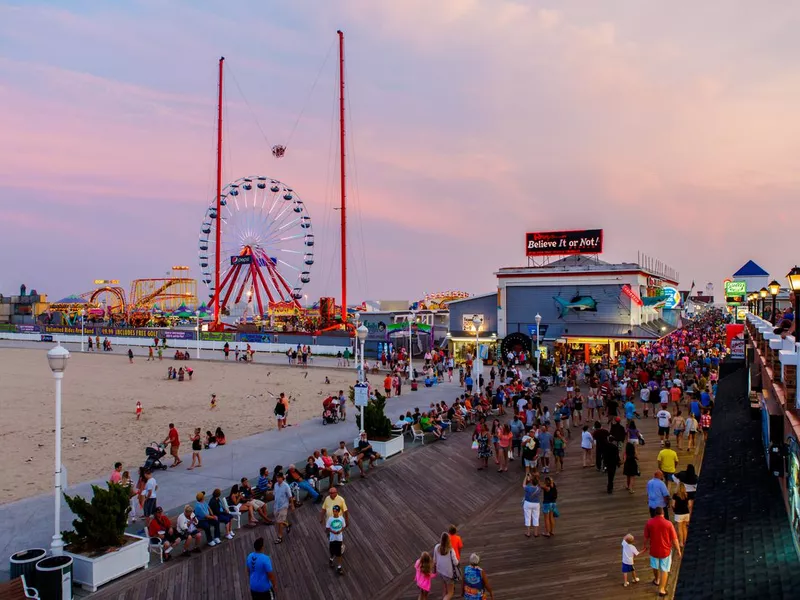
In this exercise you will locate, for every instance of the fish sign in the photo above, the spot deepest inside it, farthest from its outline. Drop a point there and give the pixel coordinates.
(578, 303)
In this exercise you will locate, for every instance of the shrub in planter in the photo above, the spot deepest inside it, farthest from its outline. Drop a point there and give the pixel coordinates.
(376, 423)
(99, 524)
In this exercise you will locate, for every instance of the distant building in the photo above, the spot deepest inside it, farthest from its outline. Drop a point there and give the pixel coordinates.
(754, 275)
(589, 308)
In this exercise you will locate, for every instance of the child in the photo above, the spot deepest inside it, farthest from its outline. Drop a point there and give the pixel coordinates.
(335, 527)
(629, 552)
(150, 354)
(455, 541)
(138, 409)
(130, 355)
(424, 575)
(213, 401)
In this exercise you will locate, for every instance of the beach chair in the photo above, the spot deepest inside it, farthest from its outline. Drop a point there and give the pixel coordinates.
(418, 434)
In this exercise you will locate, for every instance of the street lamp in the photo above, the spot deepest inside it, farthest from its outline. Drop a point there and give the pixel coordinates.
(356, 320)
(81, 313)
(411, 320)
(774, 290)
(197, 314)
(362, 333)
(476, 322)
(57, 358)
(538, 319)
(794, 284)
(762, 293)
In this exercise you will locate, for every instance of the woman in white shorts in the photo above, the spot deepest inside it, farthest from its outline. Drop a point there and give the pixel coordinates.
(532, 504)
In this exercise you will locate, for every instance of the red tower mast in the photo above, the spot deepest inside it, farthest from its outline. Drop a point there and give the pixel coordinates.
(343, 205)
(219, 199)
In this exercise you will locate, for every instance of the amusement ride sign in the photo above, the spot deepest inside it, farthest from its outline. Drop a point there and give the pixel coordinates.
(546, 243)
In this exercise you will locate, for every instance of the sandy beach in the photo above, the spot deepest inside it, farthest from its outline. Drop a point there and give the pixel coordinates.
(99, 400)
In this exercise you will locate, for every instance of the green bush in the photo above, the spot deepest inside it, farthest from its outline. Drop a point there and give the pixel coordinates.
(376, 423)
(101, 523)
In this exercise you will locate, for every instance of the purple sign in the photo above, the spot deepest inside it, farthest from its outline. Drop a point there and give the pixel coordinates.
(28, 328)
(170, 334)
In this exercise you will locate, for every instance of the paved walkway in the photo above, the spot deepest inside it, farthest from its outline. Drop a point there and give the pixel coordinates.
(740, 540)
(29, 523)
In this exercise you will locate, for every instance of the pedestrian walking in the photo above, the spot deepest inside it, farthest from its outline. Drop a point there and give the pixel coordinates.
(261, 573)
(660, 537)
(549, 506)
(446, 565)
(335, 526)
(629, 553)
(631, 466)
(475, 586)
(612, 461)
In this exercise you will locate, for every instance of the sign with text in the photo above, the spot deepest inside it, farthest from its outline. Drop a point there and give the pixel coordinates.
(673, 297)
(737, 348)
(246, 259)
(361, 394)
(628, 291)
(542, 331)
(735, 288)
(545, 243)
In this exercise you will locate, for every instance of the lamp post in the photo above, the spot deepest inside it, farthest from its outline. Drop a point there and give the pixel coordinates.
(538, 319)
(356, 320)
(82, 313)
(362, 333)
(476, 322)
(57, 358)
(197, 314)
(774, 290)
(762, 293)
(794, 284)
(411, 320)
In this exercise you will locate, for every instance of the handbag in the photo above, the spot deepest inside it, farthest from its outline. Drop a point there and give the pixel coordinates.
(510, 454)
(456, 572)
(474, 444)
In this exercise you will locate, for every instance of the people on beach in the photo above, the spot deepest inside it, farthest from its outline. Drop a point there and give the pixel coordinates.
(138, 409)
(197, 447)
(174, 441)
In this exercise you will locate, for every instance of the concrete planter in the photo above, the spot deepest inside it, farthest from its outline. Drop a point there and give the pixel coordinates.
(94, 572)
(386, 448)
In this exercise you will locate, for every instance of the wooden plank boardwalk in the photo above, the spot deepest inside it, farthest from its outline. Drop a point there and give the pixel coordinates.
(401, 510)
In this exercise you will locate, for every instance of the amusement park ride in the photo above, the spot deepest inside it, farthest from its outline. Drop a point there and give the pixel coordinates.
(147, 299)
(256, 239)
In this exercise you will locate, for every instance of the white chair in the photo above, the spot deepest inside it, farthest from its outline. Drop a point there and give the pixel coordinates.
(233, 511)
(157, 547)
(418, 434)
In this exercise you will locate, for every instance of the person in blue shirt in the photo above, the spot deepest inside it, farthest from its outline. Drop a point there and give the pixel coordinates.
(262, 576)
(206, 520)
(705, 399)
(658, 494)
(694, 408)
(468, 382)
(630, 410)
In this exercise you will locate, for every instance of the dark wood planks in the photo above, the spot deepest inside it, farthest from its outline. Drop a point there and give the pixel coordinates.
(402, 508)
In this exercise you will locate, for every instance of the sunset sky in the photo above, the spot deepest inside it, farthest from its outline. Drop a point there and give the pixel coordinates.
(672, 126)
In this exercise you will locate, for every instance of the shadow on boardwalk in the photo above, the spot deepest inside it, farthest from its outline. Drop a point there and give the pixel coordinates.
(402, 508)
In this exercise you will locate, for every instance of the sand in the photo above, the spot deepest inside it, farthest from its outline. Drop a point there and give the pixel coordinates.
(99, 401)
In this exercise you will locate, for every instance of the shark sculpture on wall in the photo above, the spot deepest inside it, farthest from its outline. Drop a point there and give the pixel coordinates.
(578, 303)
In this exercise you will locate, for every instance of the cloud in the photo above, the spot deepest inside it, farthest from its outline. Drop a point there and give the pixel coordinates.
(471, 122)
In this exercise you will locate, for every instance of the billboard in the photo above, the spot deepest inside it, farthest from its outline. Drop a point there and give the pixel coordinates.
(547, 243)
(735, 291)
(673, 297)
(242, 259)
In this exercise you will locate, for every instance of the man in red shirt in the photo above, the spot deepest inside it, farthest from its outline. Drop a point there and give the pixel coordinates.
(660, 536)
(387, 385)
(174, 444)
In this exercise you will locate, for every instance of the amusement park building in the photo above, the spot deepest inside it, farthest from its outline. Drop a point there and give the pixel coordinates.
(588, 306)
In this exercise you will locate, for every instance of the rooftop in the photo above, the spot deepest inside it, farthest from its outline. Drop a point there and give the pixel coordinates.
(587, 264)
(751, 269)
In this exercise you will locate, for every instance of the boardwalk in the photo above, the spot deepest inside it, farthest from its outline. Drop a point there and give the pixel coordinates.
(403, 507)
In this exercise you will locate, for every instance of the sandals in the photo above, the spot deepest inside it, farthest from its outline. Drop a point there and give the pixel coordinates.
(279, 540)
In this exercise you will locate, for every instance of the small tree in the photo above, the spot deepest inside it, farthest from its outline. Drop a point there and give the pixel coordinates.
(376, 424)
(101, 523)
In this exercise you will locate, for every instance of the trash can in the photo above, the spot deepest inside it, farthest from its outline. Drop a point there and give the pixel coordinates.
(24, 563)
(54, 578)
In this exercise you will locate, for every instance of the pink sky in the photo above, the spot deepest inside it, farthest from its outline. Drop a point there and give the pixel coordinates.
(674, 128)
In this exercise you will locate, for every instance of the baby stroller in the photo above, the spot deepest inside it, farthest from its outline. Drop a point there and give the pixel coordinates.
(330, 410)
(155, 452)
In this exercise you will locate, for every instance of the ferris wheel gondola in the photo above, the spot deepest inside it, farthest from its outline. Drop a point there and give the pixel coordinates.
(266, 244)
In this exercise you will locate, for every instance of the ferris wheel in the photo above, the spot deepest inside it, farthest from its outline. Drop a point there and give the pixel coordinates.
(266, 248)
